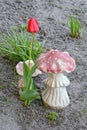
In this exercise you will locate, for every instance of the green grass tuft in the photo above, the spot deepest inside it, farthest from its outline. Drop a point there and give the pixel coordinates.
(15, 45)
(75, 28)
(0, 69)
(2, 87)
(84, 110)
(52, 116)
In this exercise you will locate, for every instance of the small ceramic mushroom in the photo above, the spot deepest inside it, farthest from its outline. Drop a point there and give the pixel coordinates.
(19, 69)
(55, 63)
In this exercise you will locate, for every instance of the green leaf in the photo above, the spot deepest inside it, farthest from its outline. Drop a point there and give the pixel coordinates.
(33, 69)
(26, 71)
(28, 74)
(29, 95)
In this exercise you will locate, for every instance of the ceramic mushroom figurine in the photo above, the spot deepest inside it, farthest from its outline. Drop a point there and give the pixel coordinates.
(19, 69)
(55, 63)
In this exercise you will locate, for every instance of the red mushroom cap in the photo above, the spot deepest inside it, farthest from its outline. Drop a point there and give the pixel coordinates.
(55, 62)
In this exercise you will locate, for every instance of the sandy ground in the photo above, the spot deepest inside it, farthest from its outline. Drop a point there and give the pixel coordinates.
(52, 16)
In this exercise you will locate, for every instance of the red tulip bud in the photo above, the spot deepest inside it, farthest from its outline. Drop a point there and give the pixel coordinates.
(33, 25)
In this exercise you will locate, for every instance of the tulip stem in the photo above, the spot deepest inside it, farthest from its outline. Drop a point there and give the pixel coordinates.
(31, 46)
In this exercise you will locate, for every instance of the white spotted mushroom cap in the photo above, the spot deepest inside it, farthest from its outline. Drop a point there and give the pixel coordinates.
(55, 61)
(19, 68)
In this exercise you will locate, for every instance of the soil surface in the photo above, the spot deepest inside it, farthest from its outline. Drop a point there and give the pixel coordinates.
(53, 17)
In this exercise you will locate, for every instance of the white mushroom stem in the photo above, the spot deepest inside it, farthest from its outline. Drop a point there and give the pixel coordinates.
(21, 85)
(55, 95)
